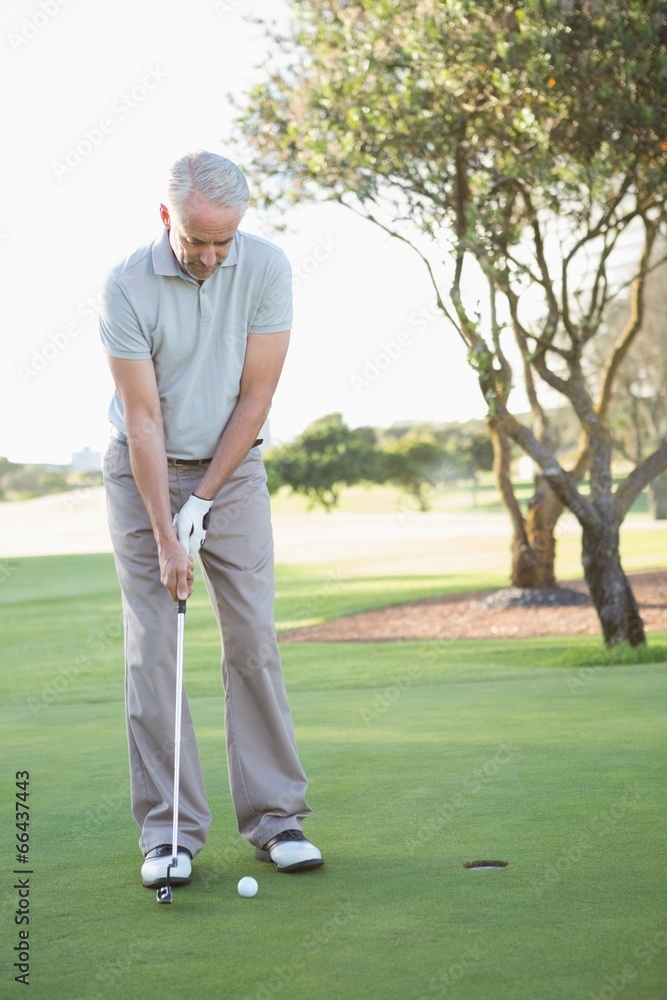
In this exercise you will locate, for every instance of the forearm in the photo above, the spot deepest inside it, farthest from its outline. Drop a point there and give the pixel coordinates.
(149, 467)
(262, 366)
(136, 384)
(237, 439)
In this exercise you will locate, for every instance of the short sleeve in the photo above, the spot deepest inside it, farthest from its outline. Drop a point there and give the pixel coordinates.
(120, 332)
(274, 313)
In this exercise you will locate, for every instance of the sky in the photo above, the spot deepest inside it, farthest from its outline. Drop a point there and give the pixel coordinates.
(100, 99)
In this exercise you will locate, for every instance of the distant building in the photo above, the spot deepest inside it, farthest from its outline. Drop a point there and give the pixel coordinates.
(86, 461)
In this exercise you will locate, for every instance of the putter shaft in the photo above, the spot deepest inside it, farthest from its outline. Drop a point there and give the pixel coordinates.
(164, 893)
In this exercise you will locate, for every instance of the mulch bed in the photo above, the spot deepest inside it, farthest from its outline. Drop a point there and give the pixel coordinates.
(489, 614)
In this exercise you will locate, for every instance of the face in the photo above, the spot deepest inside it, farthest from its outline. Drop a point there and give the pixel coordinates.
(202, 236)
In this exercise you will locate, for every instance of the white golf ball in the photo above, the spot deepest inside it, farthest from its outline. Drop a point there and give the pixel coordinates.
(248, 887)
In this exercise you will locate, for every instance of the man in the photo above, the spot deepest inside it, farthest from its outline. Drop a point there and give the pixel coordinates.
(196, 327)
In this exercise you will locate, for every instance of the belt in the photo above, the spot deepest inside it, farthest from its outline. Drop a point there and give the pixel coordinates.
(122, 437)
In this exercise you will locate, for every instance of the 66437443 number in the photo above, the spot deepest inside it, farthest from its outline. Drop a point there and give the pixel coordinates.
(22, 816)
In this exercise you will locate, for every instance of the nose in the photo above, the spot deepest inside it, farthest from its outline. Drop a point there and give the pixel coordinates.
(207, 256)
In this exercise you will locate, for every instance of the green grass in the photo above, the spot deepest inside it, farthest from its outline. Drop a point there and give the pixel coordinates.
(459, 496)
(312, 594)
(548, 754)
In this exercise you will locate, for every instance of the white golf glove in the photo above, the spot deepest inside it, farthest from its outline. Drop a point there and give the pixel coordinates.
(191, 522)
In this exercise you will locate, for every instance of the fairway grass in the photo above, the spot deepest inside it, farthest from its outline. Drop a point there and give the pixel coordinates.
(421, 757)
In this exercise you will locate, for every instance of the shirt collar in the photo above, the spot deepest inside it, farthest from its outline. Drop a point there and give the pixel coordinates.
(165, 263)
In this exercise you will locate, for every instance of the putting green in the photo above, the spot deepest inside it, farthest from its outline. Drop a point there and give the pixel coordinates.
(421, 757)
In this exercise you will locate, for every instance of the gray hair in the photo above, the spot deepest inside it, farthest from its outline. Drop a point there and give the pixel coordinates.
(214, 177)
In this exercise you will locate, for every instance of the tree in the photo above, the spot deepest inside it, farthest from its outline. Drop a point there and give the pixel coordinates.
(513, 146)
(468, 449)
(325, 457)
(419, 457)
(22, 482)
(416, 465)
(470, 454)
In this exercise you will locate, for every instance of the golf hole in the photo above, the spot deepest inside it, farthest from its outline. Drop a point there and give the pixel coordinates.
(476, 866)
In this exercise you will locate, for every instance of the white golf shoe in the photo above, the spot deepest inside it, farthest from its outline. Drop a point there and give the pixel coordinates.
(154, 868)
(290, 852)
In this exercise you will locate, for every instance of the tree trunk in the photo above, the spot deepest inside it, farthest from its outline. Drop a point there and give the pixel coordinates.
(657, 497)
(523, 562)
(609, 588)
(533, 541)
(544, 509)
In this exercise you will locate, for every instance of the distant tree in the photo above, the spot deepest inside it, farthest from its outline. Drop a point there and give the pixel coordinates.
(22, 482)
(467, 448)
(468, 454)
(274, 479)
(516, 144)
(7, 468)
(325, 457)
(417, 466)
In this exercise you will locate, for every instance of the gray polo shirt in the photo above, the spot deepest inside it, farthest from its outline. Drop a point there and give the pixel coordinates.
(195, 334)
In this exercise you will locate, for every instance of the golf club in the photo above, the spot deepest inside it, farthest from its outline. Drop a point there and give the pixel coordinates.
(164, 893)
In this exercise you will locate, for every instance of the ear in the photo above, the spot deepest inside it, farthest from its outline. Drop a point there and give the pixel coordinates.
(164, 215)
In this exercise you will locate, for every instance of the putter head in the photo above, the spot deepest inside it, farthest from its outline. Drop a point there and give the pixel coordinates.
(164, 894)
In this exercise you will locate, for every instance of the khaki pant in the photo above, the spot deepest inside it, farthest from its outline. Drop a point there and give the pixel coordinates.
(267, 781)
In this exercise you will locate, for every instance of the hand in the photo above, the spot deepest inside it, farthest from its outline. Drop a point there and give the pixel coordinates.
(191, 522)
(177, 569)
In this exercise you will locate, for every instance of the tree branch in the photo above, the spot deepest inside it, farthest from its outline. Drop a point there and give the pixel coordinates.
(524, 335)
(601, 226)
(560, 481)
(599, 292)
(639, 478)
(404, 239)
(505, 367)
(552, 302)
(501, 470)
(632, 327)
